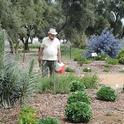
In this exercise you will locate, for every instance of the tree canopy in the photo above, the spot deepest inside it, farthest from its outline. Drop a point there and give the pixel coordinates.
(29, 18)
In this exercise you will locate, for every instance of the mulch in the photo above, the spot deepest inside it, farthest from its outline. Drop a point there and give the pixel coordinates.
(54, 105)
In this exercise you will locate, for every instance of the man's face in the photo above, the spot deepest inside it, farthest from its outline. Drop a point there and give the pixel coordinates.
(51, 36)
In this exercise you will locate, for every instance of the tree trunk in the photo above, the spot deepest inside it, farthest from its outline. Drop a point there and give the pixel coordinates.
(16, 47)
(26, 46)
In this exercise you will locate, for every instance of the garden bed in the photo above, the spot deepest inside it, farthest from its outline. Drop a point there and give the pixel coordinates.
(54, 105)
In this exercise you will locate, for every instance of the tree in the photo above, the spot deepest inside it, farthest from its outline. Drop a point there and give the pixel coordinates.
(10, 20)
(22, 19)
(79, 15)
(112, 10)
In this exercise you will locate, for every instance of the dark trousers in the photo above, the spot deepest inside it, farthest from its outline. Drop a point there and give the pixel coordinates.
(48, 66)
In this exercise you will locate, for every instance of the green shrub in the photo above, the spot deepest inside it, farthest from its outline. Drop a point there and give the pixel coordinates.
(107, 94)
(87, 69)
(76, 85)
(79, 96)
(15, 84)
(49, 120)
(106, 68)
(101, 57)
(27, 116)
(111, 61)
(78, 112)
(120, 57)
(90, 81)
(62, 83)
(68, 69)
(121, 60)
(70, 52)
(79, 40)
(81, 60)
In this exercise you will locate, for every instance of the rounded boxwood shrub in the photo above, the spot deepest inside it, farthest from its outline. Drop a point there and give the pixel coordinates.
(78, 112)
(49, 120)
(76, 85)
(79, 96)
(107, 94)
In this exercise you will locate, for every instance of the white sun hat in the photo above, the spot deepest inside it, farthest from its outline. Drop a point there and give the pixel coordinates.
(52, 31)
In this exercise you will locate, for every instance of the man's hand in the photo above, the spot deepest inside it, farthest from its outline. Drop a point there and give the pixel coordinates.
(59, 61)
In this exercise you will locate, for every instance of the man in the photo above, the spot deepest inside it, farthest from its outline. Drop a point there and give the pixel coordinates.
(49, 52)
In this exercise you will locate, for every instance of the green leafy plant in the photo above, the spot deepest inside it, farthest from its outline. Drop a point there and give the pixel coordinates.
(49, 120)
(76, 85)
(1, 48)
(15, 84)
(101, 56)
(111, 61)
(78, 112)
(62, 83)
(106, 68)
(81, 59)
(68, 69)
(87, 69)
(107, 94)
(79, 96)
(120, 57)
(90, 81)
(27, 116)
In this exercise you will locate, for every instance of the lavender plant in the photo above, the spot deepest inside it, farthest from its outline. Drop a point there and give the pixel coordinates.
(105, 43)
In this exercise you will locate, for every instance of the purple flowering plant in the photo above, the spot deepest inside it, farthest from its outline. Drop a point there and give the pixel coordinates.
(106, 43)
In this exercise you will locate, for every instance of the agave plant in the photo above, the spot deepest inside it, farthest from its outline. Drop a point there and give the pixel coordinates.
(15, 83)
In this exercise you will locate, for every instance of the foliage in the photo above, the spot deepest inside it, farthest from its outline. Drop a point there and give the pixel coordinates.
(27, 116)
(62, 83)
(105, 43)
(120, 57)
(90, 81)
(79, 40)
(78, 112)
(100, 24)
(76, 85)
(111, 61)
(106, 68)
(87, 69)
(49, 120)
(81, 59)
(70, 52)
(68, 69)
(15, 84)
(1, 48)
(101, 57)
(79, 96)
(112, 12)
(107, 94)
(76, 13)
(24, 19)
